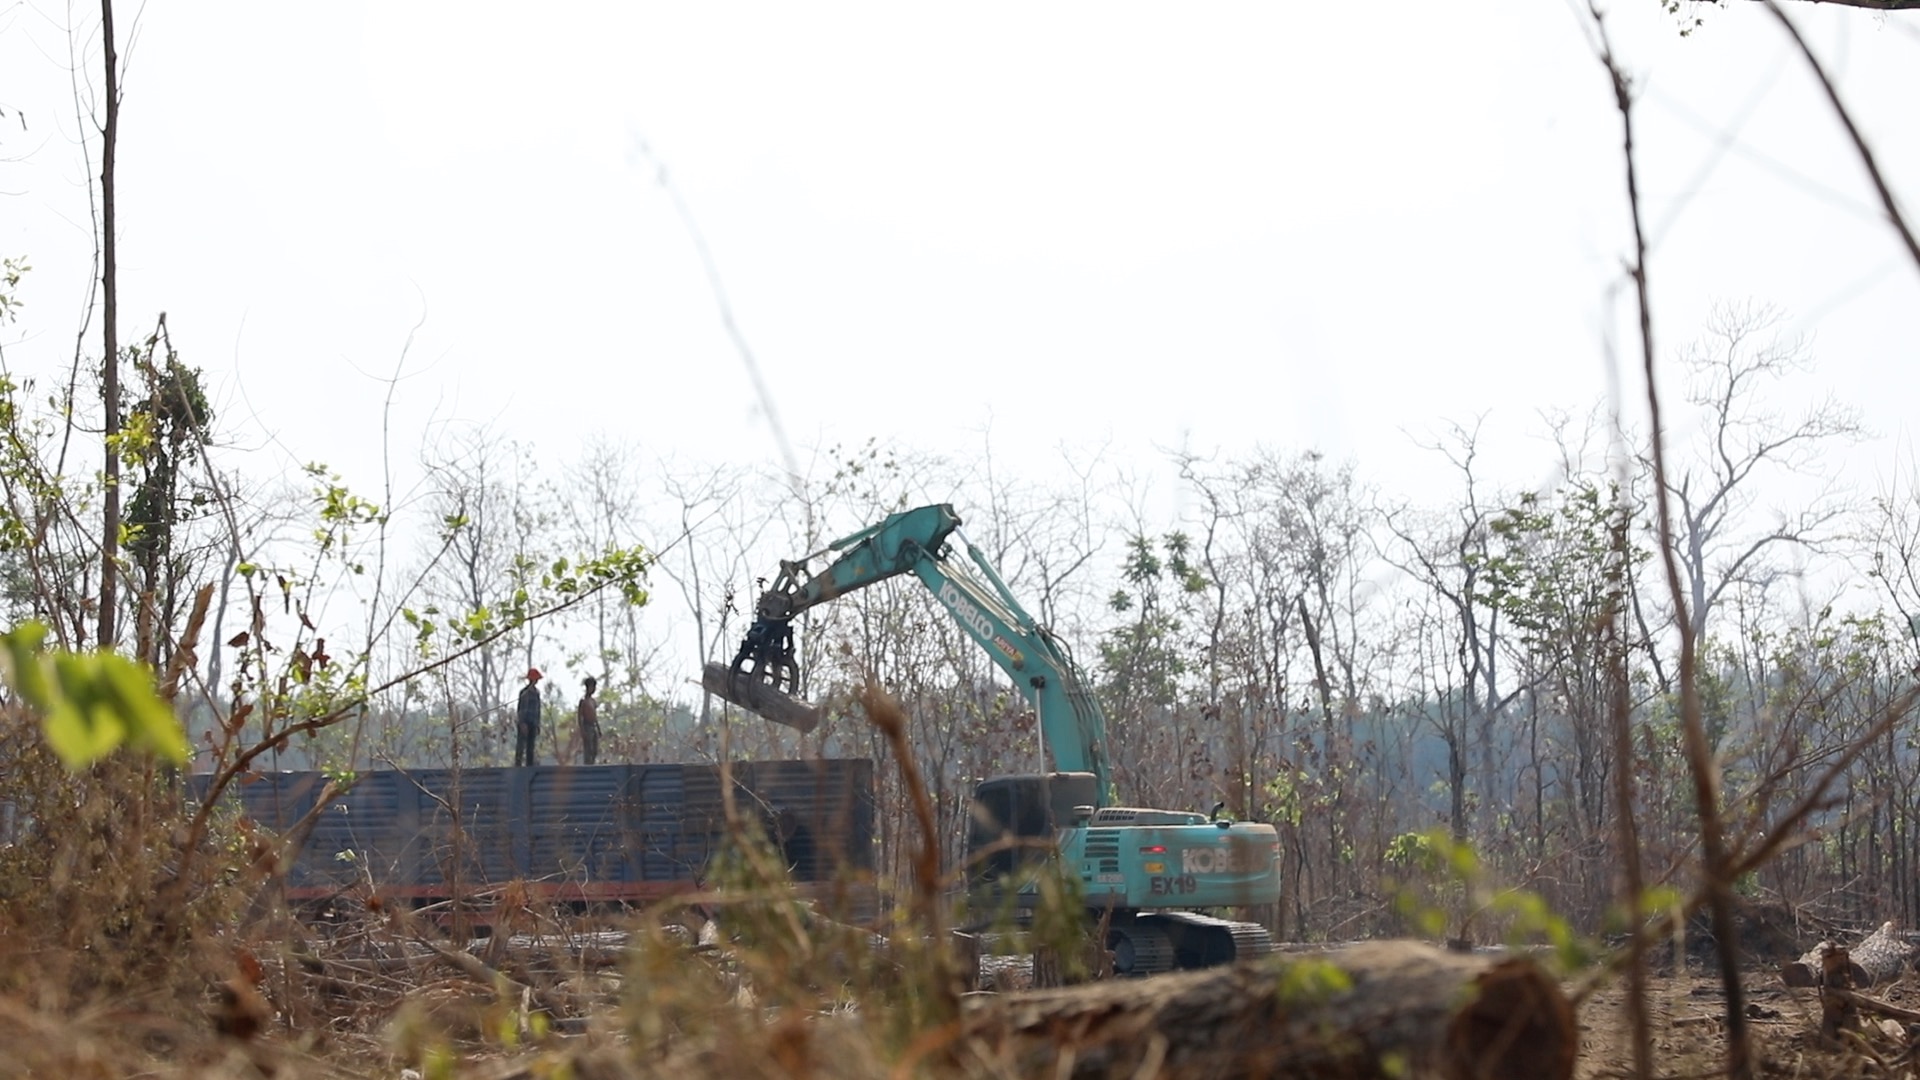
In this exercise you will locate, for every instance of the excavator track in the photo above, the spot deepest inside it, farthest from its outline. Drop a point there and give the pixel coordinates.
(1202, 941)
(1140, 947)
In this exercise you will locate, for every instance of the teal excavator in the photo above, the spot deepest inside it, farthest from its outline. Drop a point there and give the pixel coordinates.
(1146, 875)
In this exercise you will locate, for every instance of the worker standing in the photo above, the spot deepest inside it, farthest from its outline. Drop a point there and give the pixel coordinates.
(527, 721)
(587, 713)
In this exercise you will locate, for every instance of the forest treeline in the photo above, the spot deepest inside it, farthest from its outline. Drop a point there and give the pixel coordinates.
(1352, 664)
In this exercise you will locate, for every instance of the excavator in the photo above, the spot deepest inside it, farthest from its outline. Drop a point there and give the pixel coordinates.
(1146, 875)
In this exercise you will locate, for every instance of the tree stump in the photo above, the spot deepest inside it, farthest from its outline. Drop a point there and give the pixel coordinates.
(1837, 1010)
(1376, 1009)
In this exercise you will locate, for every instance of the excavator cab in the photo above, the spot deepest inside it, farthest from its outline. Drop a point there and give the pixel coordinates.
(1016, 820)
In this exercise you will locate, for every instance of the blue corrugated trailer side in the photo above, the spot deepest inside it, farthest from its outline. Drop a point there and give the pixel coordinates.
(610, 833)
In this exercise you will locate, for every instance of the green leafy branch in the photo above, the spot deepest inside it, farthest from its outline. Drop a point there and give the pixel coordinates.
(11, 271)
(341, 511)
(1454, 877)
(561, 589)
(622, 569)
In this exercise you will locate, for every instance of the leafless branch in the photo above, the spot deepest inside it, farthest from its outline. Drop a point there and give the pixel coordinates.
(1699, 755)
(1894, 217)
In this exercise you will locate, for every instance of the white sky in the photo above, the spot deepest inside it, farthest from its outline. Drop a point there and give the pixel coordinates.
(1321, 225)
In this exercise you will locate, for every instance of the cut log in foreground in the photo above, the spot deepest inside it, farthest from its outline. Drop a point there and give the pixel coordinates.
(760, 699)
(1877, 960)
(1806, 970)
(1408, 1010)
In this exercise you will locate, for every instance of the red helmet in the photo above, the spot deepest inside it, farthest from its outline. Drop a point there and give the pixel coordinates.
(533, 674)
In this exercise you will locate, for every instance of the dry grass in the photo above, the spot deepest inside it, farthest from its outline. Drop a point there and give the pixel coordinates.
(111, 966)
(1689, 1040)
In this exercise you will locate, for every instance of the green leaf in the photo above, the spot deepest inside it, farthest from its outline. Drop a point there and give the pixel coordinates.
(25, 672)
(90, 703)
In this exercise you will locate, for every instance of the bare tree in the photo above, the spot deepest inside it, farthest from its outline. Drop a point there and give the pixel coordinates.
(1744, 444)
(1045, 539)
(1447, 554)
(602, 505)
(710, 551)
(490, 519)
(1889, 549)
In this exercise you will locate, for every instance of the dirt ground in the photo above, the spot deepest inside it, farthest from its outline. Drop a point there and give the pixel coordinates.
(1689, 1037)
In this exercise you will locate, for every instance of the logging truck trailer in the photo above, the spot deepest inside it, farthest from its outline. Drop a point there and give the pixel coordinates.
(578, 836)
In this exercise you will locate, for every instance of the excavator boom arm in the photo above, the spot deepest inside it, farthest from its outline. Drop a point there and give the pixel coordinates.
(916, 541)
(872, 555)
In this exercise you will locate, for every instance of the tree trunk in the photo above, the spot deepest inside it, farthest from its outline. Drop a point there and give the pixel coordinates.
(759, 698)
(1877, 960)
(109, 345)
(1377, 1009)
(1806, 970)
(1882, 956)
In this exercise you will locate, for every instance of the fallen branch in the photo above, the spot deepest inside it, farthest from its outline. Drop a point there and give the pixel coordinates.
(477, 969)
(1874, 1005)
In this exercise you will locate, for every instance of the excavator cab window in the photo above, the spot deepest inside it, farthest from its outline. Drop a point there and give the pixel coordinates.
(1015, 819)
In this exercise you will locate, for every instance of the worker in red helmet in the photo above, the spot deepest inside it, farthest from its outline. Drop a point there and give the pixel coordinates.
(527, 722)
